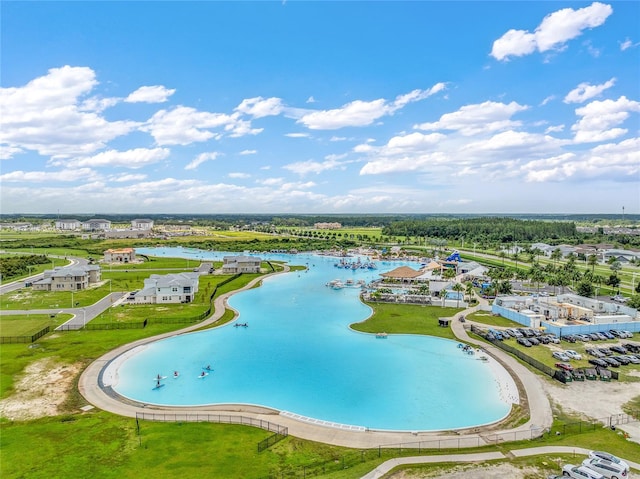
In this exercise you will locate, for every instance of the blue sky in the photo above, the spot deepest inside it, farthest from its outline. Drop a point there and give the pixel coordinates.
(320, 107)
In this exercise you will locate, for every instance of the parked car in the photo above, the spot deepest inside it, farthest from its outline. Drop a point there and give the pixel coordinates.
(632, 359)
(601, 336)
(611, 362)
(593, 336)
(534, 341)
(618, 349)
(608, 335)
(598, 362)
(570, 338)
(595, 352)
(560, 355)
(608, 469)
(621, 359)
(553, 338)
(634, 348)
(525, 342)
(617, 333)
(582, 337)
(609, 457)
(580, 472)
(544, 339)
(573, 354)
(605, 351)
(628, 333)
(565, 366)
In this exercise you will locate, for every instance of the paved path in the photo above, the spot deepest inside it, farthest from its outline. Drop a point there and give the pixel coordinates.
(100, 395)
(389, 465)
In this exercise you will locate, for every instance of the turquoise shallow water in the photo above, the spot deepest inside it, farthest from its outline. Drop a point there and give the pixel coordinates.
(299, 355)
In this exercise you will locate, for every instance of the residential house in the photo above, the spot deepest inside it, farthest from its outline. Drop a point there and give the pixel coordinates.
(96, 224)
(241, 264)
(168, 288)
(142, 224)
(120, 255)
(68, 225)
(68, 278)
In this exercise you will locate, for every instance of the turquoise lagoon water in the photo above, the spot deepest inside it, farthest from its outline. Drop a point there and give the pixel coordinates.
(299, 355)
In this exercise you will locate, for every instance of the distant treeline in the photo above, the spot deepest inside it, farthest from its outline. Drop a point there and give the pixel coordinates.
(487, 229)
(302, 220)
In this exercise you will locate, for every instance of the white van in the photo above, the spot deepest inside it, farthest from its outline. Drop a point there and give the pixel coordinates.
(608, 469)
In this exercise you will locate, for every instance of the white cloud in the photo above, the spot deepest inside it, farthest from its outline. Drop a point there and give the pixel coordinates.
(150, 94)
(48, 176)
(46, 115)
(548, 99)
(480, 118)
(127, 177)
(599, 119)
(259, 107)
(298, 135)
(628, 44)
(7, 152)
(585, 91)
(363, 113)
(201, 158)
(135, 158)
(410, 163)
(248, 152)
(184, 125)
(612, 161)
(302, 168)
(239, 175)
(553, 32)
(311, 100)
(554, 129)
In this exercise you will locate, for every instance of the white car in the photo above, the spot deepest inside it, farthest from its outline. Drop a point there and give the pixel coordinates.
(573, 354)
(609, 457)
(561, 356)
(608, 469)
(580, 472)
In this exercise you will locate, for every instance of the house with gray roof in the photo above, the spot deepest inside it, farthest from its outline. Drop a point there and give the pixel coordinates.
(167, 288)
(68, 278)
(241, 264)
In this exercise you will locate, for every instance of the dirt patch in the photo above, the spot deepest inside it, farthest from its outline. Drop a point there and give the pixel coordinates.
(473, 472)
(41, 391)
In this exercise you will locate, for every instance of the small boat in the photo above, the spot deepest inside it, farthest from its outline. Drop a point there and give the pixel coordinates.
(241, 325)
(381, 335)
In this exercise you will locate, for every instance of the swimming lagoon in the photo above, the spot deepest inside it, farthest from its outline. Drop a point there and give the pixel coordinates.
(298, 355)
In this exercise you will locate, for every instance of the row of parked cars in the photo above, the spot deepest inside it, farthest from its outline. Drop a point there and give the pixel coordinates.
(598, 465)
(600, 336)
(615, 356)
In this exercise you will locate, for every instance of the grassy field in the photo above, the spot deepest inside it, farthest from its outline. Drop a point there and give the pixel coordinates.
(21, 325)
(485, 317)
(407, 319)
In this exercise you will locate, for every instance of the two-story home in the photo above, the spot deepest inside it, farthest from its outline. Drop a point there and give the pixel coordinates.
(120, 255)
(96, 224)
(68, 278)
(142, 224)
(167, 288)
(68, 225)
(240, 264)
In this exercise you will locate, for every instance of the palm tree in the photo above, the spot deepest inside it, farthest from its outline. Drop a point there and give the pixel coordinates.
(556, 254)
(458, 289)
(470, 291)
(592, 260)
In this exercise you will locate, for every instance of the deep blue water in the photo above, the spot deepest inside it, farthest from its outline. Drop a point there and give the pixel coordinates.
(299, 355)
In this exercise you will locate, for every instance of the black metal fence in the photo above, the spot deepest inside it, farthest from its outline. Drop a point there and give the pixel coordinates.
(25, 339)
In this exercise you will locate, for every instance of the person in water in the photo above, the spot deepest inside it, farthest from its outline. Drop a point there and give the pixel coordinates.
(158, 383)
(203, 373)
(175, 373)
(208, 368)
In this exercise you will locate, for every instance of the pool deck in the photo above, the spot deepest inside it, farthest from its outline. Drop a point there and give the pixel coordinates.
(532, 396)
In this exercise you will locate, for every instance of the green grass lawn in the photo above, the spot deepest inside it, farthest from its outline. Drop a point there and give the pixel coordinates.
(485, 317)
(21, 325)
(407, 319)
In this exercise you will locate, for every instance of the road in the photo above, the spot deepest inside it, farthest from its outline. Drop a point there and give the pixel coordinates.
(15, 285)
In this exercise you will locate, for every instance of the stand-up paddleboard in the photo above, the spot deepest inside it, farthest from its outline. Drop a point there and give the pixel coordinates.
(203, 375)
(159, 378)
(158, 386)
